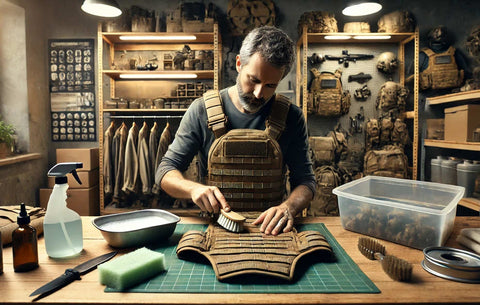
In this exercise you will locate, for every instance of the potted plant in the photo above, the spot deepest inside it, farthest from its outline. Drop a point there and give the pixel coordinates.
(6, 139)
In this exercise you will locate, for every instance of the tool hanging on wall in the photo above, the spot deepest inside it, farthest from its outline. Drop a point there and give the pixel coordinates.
(346, 58)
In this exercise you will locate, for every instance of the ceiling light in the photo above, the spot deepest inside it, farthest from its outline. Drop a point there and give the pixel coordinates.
(151, 37)
(102, 8)
(361, 8)
(158, 76)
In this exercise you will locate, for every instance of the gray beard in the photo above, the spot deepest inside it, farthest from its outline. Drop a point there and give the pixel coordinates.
(246, 100)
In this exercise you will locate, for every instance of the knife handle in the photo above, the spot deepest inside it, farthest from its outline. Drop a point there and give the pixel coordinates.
(72, 274)
(63, 280)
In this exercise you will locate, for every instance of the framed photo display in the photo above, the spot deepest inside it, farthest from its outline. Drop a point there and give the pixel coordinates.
(72, 89)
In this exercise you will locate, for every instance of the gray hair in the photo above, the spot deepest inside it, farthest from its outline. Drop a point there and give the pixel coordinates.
(272, 44)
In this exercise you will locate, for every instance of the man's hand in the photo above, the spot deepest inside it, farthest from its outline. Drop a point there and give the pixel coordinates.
(209, 198)
(275, 220)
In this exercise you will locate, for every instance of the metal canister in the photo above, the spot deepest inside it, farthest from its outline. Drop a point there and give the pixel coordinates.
(449, 170)
(436, 169)
(466, 174)
(452, 264)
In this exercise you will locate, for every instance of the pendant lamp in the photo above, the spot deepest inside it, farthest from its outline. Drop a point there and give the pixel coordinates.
(361, 8)
(102, 8)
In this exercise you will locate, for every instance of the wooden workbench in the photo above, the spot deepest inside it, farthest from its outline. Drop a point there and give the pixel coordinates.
(425, 288)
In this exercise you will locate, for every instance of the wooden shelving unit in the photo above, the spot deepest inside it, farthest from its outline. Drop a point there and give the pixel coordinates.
(114, 83)
(372, 41)
(449, 100)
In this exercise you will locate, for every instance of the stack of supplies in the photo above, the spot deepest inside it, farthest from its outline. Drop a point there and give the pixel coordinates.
(470, 238)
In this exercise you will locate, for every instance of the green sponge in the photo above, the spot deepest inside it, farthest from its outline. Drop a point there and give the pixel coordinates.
(132, 268)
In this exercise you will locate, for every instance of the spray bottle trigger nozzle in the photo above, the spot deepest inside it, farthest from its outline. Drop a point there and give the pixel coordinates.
(75, 175)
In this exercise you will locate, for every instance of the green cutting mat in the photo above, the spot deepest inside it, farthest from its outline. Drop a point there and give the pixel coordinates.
(340, 276)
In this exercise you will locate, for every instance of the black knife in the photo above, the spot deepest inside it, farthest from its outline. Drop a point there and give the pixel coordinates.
(71, 275)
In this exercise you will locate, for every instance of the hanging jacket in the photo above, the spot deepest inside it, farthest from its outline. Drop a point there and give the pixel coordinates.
(153, 141)
(108, 160)
(144, 168)
(130, 174)
(118, 151)
(165, 140)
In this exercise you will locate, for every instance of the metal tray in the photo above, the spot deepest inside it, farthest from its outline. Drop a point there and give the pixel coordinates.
(137, 228)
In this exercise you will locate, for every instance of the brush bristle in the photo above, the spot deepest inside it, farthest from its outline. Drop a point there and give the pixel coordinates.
(397, 268)
(368, 247)
(231, 225)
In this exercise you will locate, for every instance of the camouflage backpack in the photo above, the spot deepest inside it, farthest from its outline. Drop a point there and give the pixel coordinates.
(322, 150)
(391, 161)
(392, 96)
(352, 160)
(327, 97)
(325, 202)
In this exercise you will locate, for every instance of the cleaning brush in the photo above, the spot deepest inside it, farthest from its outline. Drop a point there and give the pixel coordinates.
(397, 268)
(231, 221)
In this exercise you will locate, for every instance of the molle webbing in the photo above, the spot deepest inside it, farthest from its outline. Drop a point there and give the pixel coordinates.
(246, 165)
(252, 252)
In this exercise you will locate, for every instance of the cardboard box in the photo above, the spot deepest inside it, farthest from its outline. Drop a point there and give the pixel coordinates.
(83, 201)
(461, 122)
(436, 129)
(88, 156)
(88, 178)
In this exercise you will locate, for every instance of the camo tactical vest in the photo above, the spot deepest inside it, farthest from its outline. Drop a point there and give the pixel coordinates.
(252, 252)
(327, 97)
(247, 164)
(442, 71)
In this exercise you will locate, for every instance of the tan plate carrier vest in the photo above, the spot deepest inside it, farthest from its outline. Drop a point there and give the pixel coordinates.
(247, 164)
(442, 71)
(252, 252)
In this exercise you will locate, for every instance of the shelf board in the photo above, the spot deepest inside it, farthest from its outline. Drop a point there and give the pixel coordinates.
(471, 146)
(144, 110)
(114, 37)
(471, 203)
(467, 96)
(201, 74)
(321, 37)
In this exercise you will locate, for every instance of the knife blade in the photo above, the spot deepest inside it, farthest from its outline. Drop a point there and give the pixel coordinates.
(71, 275)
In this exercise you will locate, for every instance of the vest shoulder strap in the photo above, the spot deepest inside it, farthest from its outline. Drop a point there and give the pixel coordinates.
(216, 118)
(277, 119)
(427, 51)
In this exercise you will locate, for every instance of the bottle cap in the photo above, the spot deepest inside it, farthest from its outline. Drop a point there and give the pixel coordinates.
(23, 218)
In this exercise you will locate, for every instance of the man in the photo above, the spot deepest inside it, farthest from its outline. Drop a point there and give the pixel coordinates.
(265, 58)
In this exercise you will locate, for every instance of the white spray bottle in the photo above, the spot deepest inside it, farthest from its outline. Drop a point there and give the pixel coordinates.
(62, 227)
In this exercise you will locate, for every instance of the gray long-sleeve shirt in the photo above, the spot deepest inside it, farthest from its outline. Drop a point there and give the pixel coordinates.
(193, 136)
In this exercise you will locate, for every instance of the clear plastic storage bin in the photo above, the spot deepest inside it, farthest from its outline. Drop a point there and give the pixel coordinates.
(413, 213)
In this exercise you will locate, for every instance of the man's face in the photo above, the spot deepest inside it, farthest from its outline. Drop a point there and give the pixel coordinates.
(256, 82)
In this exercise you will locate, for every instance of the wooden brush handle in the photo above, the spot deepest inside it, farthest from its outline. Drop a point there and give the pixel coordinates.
(233, 216)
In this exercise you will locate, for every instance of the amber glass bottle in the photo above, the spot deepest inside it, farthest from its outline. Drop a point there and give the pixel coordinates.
(24, 243)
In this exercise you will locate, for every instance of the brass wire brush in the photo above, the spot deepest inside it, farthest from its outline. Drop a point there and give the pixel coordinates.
(397, 268)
